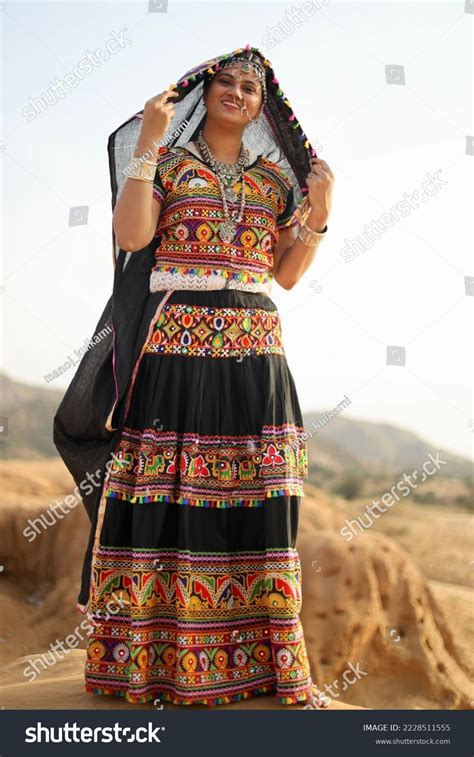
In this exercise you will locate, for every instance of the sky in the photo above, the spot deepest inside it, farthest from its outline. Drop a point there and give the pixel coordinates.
(384, 92)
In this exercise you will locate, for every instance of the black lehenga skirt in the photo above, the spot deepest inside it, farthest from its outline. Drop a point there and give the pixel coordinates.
(196, 581)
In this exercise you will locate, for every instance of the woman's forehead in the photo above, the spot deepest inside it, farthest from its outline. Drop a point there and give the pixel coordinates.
(238, 73)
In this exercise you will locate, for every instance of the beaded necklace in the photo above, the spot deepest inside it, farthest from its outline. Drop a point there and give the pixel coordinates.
(227, 175)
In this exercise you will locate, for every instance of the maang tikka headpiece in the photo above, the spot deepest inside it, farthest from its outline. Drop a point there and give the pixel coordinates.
(248, 63)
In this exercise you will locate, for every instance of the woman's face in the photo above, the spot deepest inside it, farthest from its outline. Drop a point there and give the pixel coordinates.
(234, 95)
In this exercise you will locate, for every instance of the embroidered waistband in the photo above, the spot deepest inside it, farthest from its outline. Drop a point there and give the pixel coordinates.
(210, 280)
(205, 331)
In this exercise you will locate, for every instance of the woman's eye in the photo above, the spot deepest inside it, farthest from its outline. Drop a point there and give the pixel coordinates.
(226, 83)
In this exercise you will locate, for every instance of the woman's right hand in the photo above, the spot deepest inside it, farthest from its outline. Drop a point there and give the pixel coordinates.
(157, 115)
(136, 214)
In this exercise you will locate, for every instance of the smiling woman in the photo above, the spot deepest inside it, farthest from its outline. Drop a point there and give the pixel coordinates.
(196, 525)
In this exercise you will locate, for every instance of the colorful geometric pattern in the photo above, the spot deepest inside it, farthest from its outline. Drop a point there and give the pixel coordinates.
(192, 212)
(209, 471)
(197, 518)
(200, 331)
(197, 627)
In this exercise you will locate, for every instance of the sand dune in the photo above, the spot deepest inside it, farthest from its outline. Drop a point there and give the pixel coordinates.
(366, 608)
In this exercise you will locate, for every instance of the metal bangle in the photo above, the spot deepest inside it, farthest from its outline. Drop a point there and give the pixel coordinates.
(309, 236)
(143, 170)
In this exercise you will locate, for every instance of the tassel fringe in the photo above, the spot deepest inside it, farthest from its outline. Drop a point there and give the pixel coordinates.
(302, 137)
(209, 701)
(196, 502)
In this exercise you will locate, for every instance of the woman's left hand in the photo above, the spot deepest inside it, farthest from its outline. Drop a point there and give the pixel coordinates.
(320, 181)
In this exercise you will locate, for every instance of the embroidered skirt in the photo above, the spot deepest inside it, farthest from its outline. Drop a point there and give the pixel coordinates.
(196, 582)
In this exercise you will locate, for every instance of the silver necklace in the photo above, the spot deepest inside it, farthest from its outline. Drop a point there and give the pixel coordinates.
(227, 176)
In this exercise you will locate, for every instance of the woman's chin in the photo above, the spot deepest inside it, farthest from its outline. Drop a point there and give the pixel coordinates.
(229, 120)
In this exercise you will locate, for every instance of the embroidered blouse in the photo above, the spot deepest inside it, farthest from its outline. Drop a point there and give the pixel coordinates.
(189, 252)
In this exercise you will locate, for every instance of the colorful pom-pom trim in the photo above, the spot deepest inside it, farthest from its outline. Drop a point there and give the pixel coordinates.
(279, 92)
(297, 490)
(209, 701)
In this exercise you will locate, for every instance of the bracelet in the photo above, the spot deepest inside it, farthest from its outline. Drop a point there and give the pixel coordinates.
(309, 236)
(144, 170)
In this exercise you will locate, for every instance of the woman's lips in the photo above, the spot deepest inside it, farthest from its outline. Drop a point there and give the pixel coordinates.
(230, 106)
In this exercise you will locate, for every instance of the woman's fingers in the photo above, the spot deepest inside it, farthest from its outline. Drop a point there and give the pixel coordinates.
(159, 111)
(162, 99)
(320, 171)
(322, 164)
(170, 93)
(317, 172)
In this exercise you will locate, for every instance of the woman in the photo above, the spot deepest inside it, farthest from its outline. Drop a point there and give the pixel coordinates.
(191, 576)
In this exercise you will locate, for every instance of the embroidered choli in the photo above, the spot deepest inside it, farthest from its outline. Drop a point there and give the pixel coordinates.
(189, 252)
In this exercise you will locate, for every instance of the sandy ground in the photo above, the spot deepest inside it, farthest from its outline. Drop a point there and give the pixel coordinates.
(411, 572)
(62, 687)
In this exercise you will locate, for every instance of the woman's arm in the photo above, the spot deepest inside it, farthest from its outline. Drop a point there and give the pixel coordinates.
(136, 215)
(137, 210)
(291, 257)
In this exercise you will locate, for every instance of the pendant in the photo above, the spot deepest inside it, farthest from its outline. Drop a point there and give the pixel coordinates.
(230, 195)
(227, 230)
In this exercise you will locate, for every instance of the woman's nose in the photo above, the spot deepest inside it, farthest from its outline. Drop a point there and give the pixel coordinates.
(235, 90)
